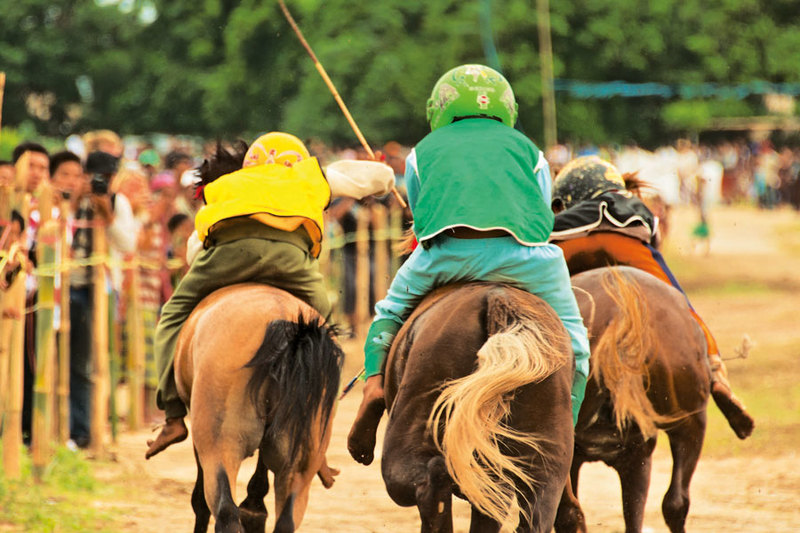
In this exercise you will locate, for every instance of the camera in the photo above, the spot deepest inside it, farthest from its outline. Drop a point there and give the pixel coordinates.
(99, 184)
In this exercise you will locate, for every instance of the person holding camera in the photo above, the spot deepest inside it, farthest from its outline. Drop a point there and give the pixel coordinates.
(92, 205)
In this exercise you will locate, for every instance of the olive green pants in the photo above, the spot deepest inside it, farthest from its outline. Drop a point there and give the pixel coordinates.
(284, 263)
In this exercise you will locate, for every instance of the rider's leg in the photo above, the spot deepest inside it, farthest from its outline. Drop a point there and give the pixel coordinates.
(415, 278)
(541, 270)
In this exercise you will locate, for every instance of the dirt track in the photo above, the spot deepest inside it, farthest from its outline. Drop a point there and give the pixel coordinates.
(738, 490)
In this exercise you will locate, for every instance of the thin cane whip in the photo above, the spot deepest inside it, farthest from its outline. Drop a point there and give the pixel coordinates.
(2, 91)
(333, 90)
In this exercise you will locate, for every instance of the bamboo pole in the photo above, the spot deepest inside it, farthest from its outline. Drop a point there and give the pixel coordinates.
(135, 352)
(2, 92)
(12, 336)
(362, 270)
(64, 327)
(100, 362)
(381, 251)
(546, 61)
(113, 364)
(43, 390)
(396, 235)
(5, 216)
(334, 92)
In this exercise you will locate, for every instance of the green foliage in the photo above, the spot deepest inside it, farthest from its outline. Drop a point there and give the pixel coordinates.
(221, 68)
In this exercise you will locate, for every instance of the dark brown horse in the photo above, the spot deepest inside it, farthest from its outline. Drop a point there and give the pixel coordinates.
(649, 372)
(478, 390)
(259, 372)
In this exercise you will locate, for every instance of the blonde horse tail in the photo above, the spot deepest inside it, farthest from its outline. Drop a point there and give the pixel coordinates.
(621, 355)
(472, 410)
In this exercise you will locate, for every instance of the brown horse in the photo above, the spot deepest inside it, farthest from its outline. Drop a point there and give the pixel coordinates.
(478, 390)
(649, 372)
(259, 371)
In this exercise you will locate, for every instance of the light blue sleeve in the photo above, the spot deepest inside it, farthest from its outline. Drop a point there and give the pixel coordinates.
(412, 180)
(542, 173)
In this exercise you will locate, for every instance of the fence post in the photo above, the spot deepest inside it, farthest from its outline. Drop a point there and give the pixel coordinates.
(13, 339)
(381, 244)
(64, 328)
(100, 363)
(42, 426)
(362, 270)
(135, 352)
(395, 234)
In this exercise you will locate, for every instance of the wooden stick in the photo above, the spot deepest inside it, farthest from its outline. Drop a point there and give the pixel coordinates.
(100, 366)
(13, 339)
(64, 330)
(380, 282)
(135, 352)
(2, 92)
(362, 270)
(42, 426)
(333, 90)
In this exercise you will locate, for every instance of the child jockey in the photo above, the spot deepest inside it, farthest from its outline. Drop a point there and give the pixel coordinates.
(605, 224)
(262, 222)
(479, 192)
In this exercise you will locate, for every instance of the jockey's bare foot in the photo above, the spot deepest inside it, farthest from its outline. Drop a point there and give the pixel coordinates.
(361, 440)
(735, 413)
(327, 474)
(174, 430)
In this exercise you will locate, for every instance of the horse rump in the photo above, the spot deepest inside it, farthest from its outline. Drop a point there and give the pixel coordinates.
(487, 453)
(302, 364)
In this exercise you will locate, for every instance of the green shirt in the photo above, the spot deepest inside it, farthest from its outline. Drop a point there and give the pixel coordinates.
(481, 174)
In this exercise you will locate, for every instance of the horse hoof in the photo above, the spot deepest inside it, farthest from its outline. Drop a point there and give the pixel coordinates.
(361, 452)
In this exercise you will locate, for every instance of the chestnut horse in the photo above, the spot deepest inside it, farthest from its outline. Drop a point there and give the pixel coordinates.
(478, 391)
(649, 372)
(259, 371)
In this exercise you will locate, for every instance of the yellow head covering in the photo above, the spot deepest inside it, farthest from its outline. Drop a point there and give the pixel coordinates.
(276, 148)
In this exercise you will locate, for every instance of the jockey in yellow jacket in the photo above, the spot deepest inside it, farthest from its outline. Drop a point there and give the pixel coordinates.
(262, 222)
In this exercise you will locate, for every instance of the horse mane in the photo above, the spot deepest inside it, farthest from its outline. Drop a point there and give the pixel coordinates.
(635, 184)
(223, 161)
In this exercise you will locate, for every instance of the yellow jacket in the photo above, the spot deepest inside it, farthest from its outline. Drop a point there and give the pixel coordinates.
(278, 196)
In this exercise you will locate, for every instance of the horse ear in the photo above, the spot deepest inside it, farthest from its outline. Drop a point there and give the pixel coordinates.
(557, 205)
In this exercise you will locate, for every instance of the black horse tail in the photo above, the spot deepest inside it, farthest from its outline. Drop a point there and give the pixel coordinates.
(302, 364)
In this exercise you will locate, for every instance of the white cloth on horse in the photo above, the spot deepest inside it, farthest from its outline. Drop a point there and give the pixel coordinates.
(357, 179)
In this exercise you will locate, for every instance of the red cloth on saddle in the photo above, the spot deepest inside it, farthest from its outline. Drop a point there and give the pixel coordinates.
(601, 249)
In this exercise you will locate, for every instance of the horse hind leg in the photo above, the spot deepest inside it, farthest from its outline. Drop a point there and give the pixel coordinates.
(202, 513)
(253, 512)
(434, 498)
(570, 517)
(686, 443)
(226, 512)
(634, 476)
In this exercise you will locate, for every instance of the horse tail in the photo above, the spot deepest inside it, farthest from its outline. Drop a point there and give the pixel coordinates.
(621, 355)
(472, 410)
(302, 363)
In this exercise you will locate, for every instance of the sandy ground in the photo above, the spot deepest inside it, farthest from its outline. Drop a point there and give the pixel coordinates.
(740, 492)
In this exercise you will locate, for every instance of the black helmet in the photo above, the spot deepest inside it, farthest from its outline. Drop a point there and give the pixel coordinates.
(585, 178)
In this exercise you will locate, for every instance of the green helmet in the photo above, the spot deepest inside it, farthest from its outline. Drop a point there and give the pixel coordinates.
(471, 91)
(585, 178)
